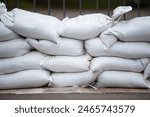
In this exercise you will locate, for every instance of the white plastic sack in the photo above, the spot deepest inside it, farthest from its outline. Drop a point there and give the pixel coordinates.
(96, 48)
(101, 64)
(122, 79)
(25, 79)
(89, 26)
(67, 63)
(136, 29)
(73, 79)
(21, 63)
(6, 33)
(33, 25)
(65, 47)
(14, 48)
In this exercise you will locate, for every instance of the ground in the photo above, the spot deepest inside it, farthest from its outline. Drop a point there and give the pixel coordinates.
(75, 93)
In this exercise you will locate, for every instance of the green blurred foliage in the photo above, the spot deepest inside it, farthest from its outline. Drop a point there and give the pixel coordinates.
(72, 4)
(24, 4)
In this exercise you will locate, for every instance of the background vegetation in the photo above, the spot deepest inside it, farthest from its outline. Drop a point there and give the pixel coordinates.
(73, 4)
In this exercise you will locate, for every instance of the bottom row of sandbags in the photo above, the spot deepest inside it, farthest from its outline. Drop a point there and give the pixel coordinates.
(40, 78)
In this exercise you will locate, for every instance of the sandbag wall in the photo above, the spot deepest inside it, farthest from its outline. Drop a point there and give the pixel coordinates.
(48, 60)
(126, 50)
(38, 50)
(19, 65)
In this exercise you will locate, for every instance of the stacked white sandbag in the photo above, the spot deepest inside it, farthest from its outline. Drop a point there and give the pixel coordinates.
(122, 54)
(25, 79)
(67, 63)
(134, 30)
(64, 47)
(72, 52)
(96, 48)
(120, 72)
(81, 28)
(66, 60)
(25, 62)
(29, 24)
(19, 65)
(122, 79)
(14, 48)
(59, 55)
(11, 44)
(69, 71)
(73, 79)
(89, 26)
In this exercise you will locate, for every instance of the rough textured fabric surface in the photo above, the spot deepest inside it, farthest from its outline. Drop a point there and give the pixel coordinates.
(122, 79)
(65, 47)
(96, 48)
(33, 25)
(67, 63)
(89, 26)
(73, 79)
(25, 62)
(14, 48)
(101, 64)
(25, 79)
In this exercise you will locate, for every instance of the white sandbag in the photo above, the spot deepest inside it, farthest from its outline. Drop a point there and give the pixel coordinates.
(65, 47)
(25, 79)
(26, 62)
(96, 48)
(101, 64)
(73, 79)
(122, 79)
(6, 33)
(33, 25)
(89, 26)
(132, 30)
(3, 8)
(147, 71)
(14, 48)
(67, 63)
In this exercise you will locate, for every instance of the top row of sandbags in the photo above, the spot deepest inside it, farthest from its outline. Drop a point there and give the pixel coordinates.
(90, 26)
(82, 27)
(38, 26)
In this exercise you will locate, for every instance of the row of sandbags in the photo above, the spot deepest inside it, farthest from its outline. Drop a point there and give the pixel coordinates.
(107, 71)
(55, 53)
(122, 54)
(30, 69)
(16, 64)
(50, 28)
(21, 66)
(121, 72)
